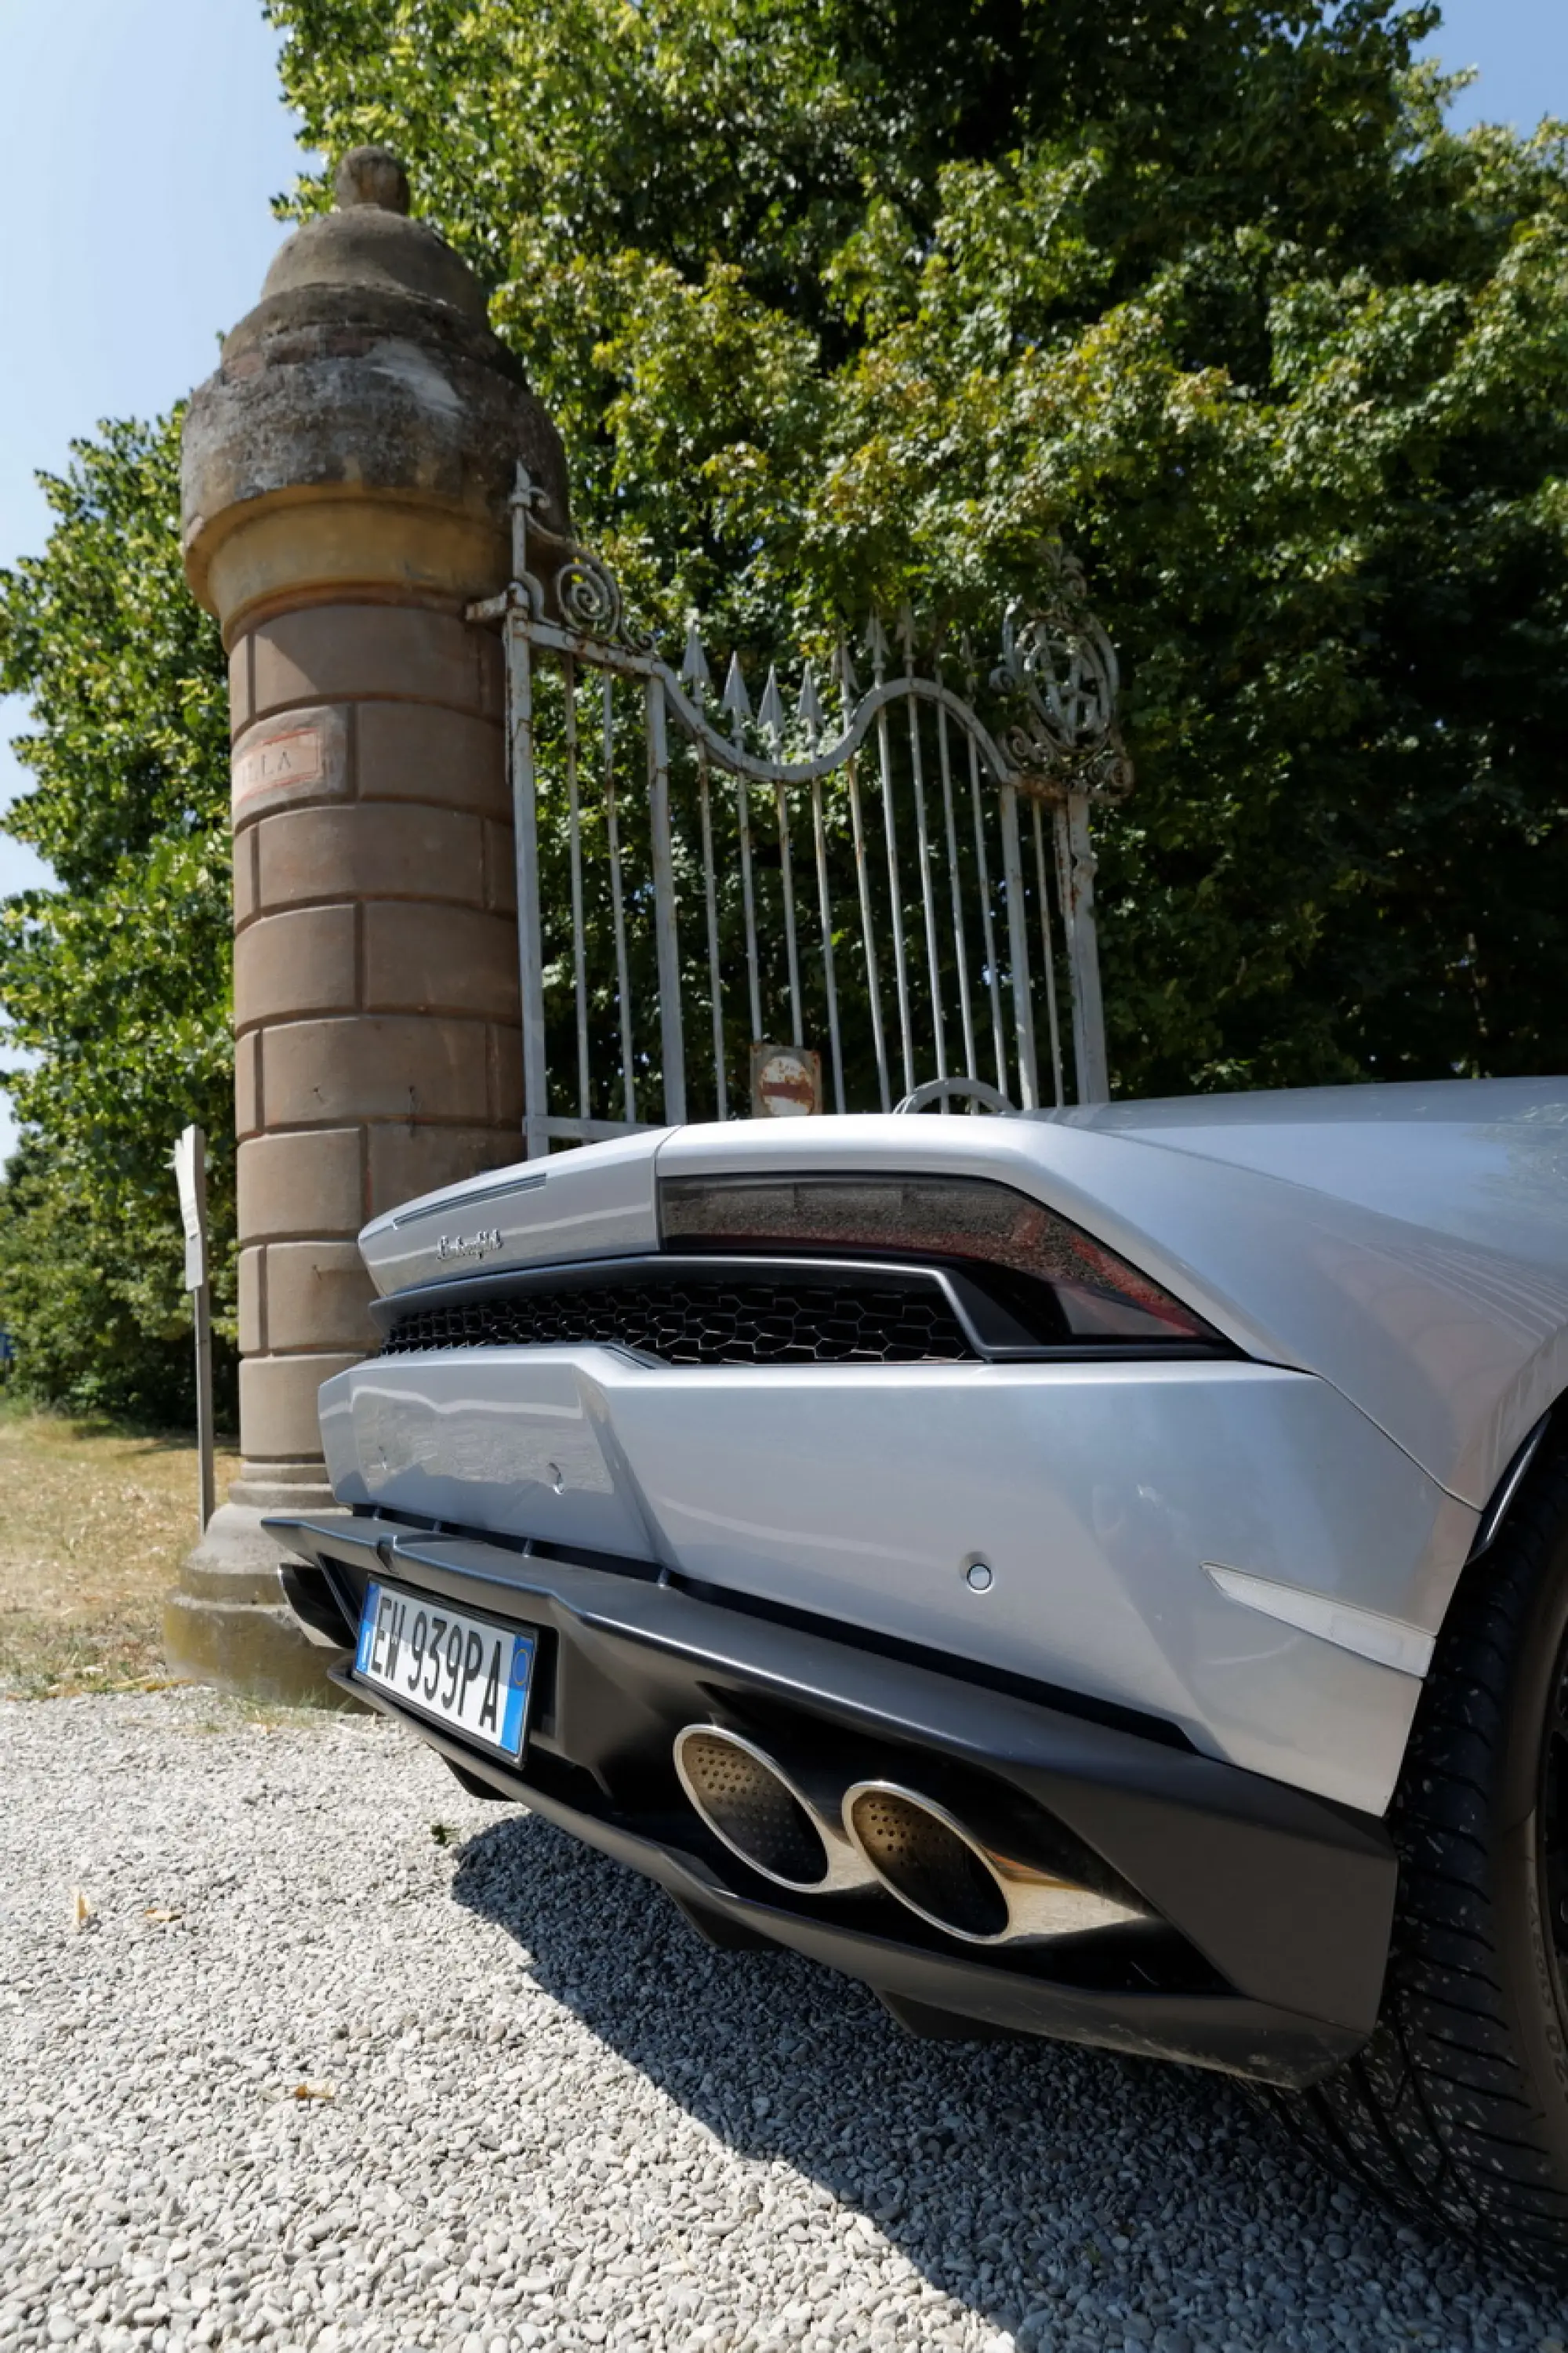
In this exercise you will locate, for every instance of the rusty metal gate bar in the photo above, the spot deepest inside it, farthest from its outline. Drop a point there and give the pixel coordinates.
(638, 868)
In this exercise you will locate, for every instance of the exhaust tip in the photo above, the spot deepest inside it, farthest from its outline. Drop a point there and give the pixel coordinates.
(748, 1804)
(967, 1883)
(922, 1856)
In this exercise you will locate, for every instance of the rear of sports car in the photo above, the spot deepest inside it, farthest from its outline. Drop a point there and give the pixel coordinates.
(1002, 1559)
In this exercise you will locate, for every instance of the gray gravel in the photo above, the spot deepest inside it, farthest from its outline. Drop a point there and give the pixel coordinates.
(542, 2114)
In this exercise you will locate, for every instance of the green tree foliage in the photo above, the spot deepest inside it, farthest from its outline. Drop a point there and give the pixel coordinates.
(843, 298)
(118, 979)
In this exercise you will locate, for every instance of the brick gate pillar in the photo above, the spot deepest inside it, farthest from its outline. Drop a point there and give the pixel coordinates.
(345, 478)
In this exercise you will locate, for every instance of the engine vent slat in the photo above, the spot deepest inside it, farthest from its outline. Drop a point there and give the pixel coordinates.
(701, 1323)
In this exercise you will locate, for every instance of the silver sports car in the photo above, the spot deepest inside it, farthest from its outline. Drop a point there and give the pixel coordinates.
(1100, 1573)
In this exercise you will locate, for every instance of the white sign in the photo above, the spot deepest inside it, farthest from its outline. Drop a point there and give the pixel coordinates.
(191, 1176)
(786, 1082)
(297, 757)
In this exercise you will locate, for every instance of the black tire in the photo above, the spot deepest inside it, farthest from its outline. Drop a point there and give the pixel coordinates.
(1457, 2112)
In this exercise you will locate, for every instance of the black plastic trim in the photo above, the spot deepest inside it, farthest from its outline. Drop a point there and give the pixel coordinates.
(1508, 1487)
(917, 1654)
(1234, 2035)
(1284, 1899)
(313, 1597)
(992, 1330)
(809, 1621)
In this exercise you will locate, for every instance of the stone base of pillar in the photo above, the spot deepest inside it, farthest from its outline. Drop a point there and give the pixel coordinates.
(227, 1622)
(283, 1487)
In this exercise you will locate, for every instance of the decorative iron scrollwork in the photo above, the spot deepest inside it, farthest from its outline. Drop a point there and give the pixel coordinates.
(588, 598)
(1058, 672)
(1059, 663)
(585, 592)
(934, 836)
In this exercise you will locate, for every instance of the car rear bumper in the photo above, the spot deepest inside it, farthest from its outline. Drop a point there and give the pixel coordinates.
(1102, 1496)
(1269, 1907)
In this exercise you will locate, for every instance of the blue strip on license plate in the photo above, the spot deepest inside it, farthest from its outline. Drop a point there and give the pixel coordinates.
(463, 1671)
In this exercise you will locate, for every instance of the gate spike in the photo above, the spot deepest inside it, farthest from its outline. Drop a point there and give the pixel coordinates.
(525, 491)
(694, 671)
(808, 709)
(770, 710)
(905, 633)
(877, 646)
(844, 676)
(737, 702)
(526, 494)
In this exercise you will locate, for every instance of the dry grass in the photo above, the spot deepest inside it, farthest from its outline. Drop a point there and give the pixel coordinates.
(93, 1522)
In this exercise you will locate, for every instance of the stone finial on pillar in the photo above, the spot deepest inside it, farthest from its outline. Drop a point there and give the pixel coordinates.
(345, 480)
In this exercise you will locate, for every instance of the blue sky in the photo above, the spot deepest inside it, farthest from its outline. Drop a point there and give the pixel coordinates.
(141, 142)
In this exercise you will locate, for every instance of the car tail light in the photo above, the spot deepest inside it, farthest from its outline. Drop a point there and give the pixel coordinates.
(985, 1226)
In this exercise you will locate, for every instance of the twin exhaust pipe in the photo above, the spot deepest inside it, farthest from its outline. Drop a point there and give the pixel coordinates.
(806, 1828)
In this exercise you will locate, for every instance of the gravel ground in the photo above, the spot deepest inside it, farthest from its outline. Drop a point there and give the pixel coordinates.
(343, 2057)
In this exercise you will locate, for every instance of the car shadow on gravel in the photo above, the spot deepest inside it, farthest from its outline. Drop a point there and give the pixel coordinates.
(1074, 2197)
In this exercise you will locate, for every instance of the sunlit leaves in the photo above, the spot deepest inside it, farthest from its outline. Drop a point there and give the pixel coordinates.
(118, 981)
(858, 300)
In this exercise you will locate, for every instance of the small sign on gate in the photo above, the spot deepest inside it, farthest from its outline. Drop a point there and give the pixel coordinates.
(786, 1082)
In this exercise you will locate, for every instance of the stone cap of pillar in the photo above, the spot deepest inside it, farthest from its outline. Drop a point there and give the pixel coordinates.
(363, 430)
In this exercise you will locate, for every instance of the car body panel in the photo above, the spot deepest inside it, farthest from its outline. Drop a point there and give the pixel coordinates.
(1099, 1495)
(1408, 1244)
(525, 1215)
(1228, 1545)
(1156, 1609)
(1429, 1275)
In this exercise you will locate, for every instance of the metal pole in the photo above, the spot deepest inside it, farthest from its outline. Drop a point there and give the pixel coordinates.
(749, 903)
(928, 895)
(715, 975)
(672, 1048)
(1088, 1008)
(529, 939)
(987, 922)
(207, 1504)
(1077, 861)
(792, 950)
(1018, 949)
(955, 884)
(618, 904)
(579, 945)
(825, 909)
(863, 881)
(900, 960)
(1048, 951)
(191, 1178)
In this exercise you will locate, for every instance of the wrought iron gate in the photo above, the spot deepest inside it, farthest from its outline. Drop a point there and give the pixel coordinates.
(908, 894)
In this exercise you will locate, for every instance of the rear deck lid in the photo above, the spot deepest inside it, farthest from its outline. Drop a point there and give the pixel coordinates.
(595, 1204)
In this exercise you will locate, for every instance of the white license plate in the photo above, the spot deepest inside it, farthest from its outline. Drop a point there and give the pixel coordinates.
(464, 1672)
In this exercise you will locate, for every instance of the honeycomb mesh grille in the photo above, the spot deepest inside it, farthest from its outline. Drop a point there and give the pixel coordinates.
(708, 1322)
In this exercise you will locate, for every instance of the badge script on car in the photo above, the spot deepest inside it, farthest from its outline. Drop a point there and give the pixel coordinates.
(477, 1245)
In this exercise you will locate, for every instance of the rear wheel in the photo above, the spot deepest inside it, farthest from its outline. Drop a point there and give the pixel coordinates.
(1458, 2110)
